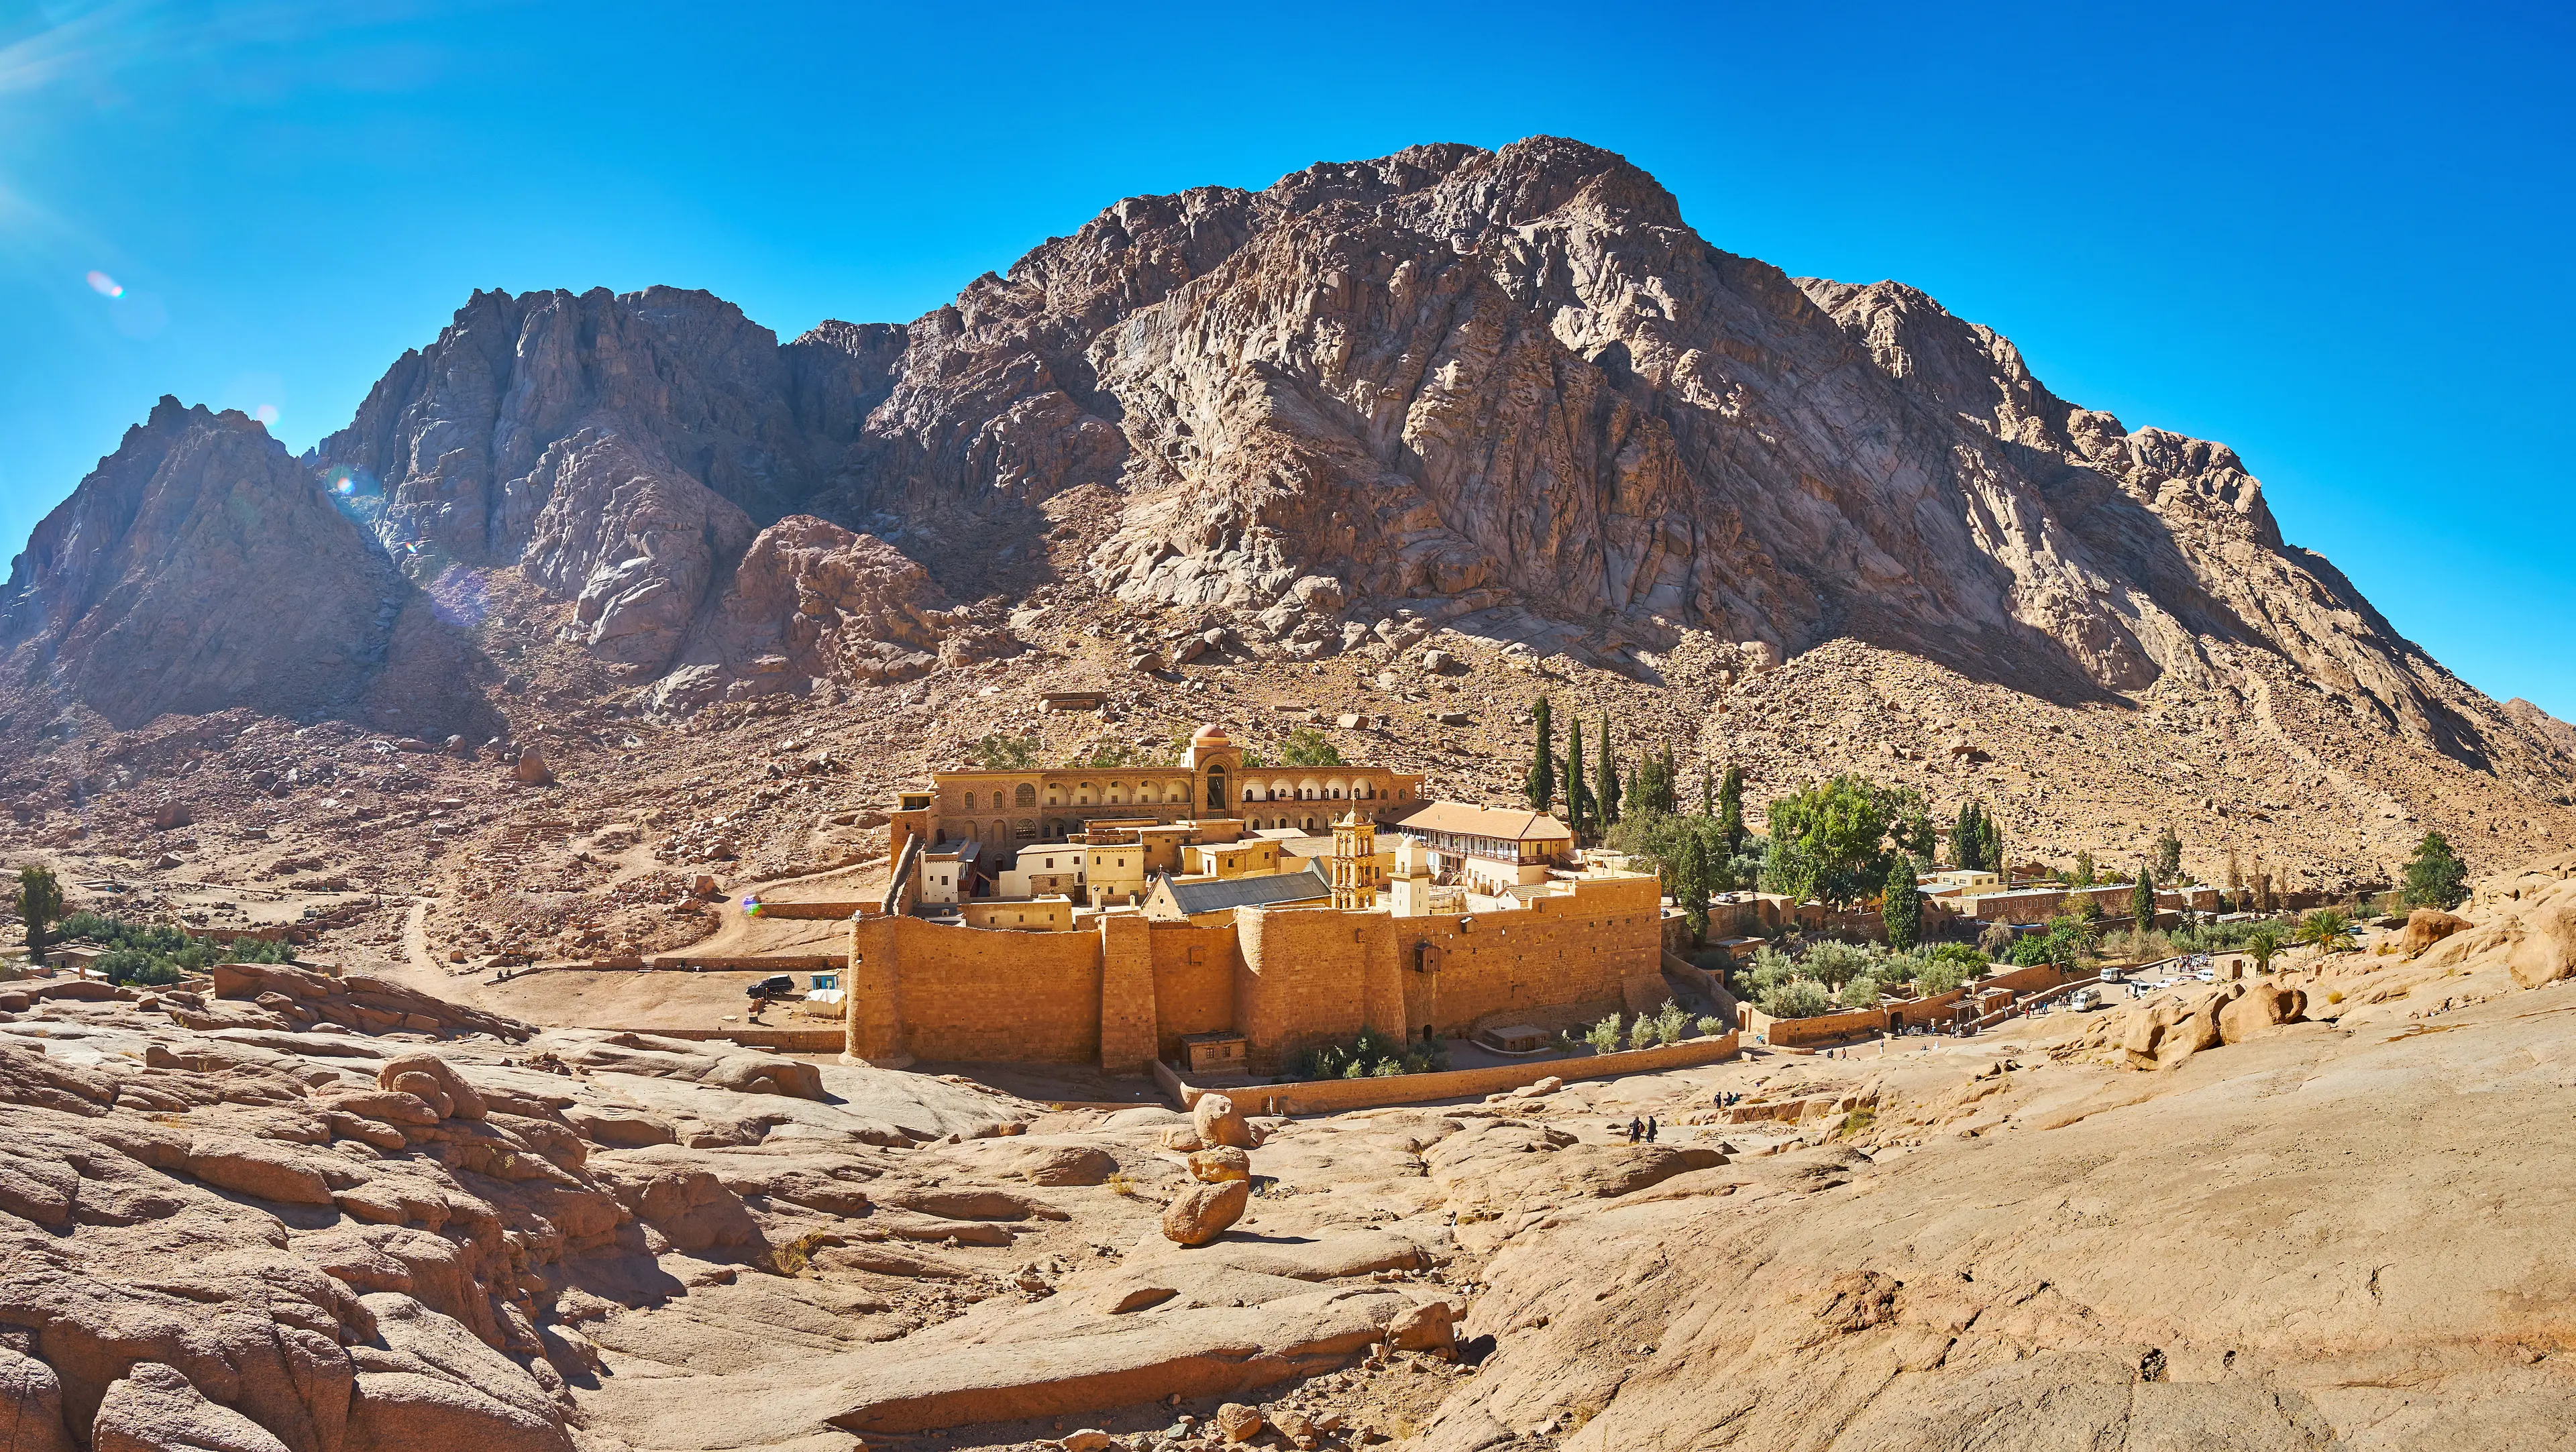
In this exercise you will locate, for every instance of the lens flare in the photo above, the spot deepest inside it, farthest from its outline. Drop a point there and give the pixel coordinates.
(105, 286)
(266, 413)
(751, 907)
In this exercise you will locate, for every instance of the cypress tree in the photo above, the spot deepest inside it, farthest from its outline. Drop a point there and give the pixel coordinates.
(1692, 887)
(1900, 908)
(1605, 790)
(1967, 840)
(2142, 898)
(40, 905)
(1542, 772)
(1578, 795)
(1730, 811)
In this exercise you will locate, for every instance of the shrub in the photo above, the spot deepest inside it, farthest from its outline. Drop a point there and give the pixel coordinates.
(1642, 1033)
(1604, 1036)
(1861, 992)
(1797, 998)
(1307, 746)
(1672, 1025)
(1940, 976)
(1711, 1026)
(1387, 1069)
(1835, 964)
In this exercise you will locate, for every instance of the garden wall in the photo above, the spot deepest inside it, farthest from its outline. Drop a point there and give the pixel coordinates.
(1331, 1096)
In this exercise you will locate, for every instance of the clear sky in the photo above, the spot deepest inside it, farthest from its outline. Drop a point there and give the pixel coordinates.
(2336, 237)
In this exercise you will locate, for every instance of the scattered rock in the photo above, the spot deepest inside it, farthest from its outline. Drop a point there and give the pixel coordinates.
(1217, 1122)
(1218, 1165)
(2426, 926)
(1238, 1423)
(1201, 1213)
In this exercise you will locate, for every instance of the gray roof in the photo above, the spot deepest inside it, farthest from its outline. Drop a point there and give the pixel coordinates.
(1193, 898)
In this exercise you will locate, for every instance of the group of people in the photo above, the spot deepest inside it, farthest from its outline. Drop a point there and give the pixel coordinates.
(1641, 1130)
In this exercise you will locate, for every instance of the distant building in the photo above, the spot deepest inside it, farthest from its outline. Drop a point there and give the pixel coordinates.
(1488, 849)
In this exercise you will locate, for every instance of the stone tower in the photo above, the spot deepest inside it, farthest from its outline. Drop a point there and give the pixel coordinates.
(1354, 862)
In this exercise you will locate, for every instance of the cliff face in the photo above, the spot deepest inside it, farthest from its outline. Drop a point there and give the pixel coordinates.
(623, 449)
(1510, 392)
(198, 568)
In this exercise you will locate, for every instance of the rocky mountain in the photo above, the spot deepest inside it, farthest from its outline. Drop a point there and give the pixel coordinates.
(199, 569)
(1508, 394)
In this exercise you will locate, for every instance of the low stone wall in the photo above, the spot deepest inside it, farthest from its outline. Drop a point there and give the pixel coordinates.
(754, 963)
(1331, 1096)
(820, 911)
(1789, 1033)
(794, 1041)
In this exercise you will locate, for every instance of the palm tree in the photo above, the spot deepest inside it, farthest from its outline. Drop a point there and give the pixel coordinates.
(2262, 945)
(2328, 928)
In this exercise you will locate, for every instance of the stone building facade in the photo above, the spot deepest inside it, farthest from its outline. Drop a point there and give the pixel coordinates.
(1129, 988)
(1005, 809)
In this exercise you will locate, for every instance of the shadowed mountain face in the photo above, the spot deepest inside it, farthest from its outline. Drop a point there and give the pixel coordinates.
(1508, 386)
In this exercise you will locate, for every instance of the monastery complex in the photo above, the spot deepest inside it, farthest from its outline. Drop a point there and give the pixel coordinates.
(1224, 917)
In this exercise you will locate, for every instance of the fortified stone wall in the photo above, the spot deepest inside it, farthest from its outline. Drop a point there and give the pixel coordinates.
(1194, 973)
(1285, 978)
(979, 993)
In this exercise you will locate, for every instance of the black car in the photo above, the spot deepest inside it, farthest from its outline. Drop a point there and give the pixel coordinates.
(775, 986)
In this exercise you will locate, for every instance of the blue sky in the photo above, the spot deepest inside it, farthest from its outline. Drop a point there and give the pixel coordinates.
(2335, 237)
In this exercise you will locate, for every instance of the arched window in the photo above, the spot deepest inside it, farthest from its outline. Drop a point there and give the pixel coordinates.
(1216, 794)
(1024, 795)
(970, 801)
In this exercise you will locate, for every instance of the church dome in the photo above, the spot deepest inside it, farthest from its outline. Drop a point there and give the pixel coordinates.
(1210, 734)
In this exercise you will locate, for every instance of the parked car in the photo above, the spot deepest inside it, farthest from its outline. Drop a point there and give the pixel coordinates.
(777, 985)
(2083, 1000)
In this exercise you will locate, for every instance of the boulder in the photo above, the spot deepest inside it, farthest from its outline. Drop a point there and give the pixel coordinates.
(1218, 1165)
(1089, 1439)
(1182, 1138)
(1236, 1422)
(1201, 1213)
(2198, 1029)
(1219, 1122)
(257, 1168)
(428, 1078)
(1429, 1326)
(2426, 926)
(531, 769)
(31, 1406)
(2547, 951)
(1296, 1426)
(155, 1409)
(1438, 662)
(2262, 1006)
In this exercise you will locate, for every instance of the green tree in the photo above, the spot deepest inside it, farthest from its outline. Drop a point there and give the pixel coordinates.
(1307, 746)
(1730, 810)
(1830, 841)
(1004, 753)
(1542, 771)
(1691, 885)
(2435, 876)
(40, 906)
(1605, 787)
(2164, 864)
(2142, 898)
(1797, 998)
(2082, 875)
(1578, 792)
(2327, 929)
(1902, 907)
(1966, 842)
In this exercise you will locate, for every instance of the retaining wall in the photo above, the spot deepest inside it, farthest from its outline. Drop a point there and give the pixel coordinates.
(794, 1041)
(1331, 1096)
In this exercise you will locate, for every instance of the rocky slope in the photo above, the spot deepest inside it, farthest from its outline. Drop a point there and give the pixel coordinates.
(1504, 405)
(295, 1211)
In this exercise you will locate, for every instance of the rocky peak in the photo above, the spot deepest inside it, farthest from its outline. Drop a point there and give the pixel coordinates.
(198, 568)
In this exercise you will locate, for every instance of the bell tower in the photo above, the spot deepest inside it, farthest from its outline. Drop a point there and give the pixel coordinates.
(1216, 769)
(1354, 862)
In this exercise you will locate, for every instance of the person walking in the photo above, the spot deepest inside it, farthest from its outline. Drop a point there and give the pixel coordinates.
(1650, 1129)
(1636, 1131)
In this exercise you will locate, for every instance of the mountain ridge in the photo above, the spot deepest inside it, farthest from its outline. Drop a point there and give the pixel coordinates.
(1506, 393)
